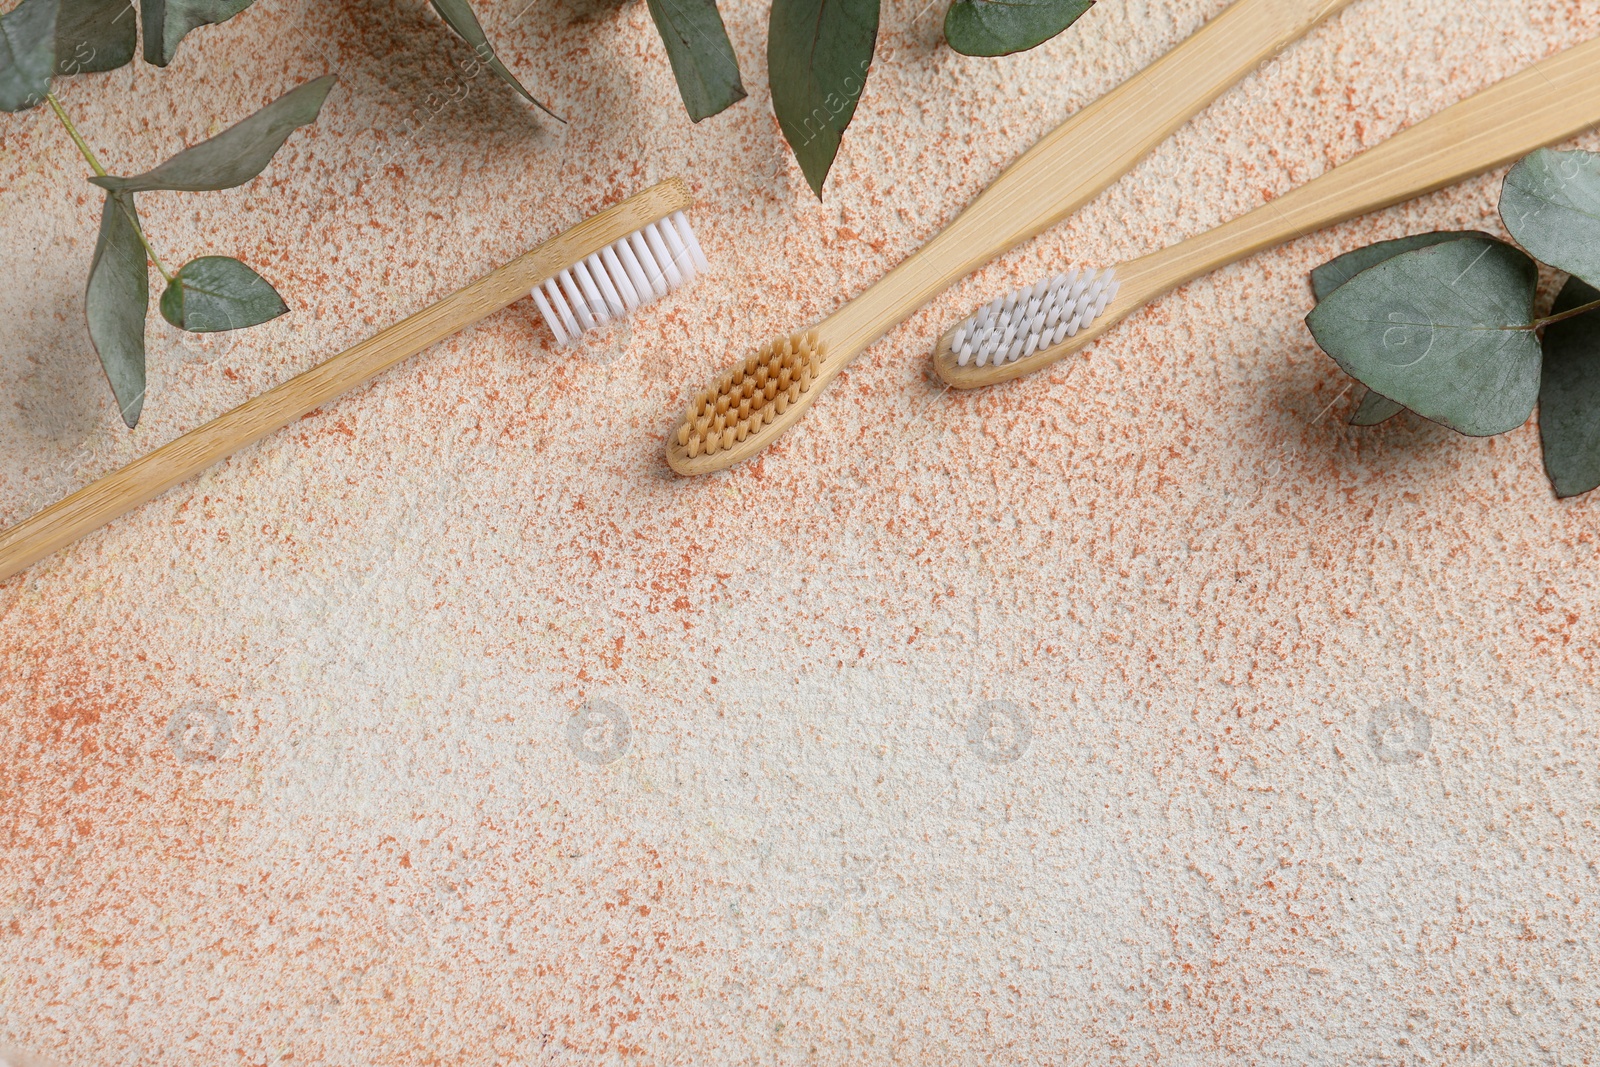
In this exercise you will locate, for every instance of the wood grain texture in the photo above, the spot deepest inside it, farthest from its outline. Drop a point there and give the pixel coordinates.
(119, 492)
(1068, 168)
(1546, 104)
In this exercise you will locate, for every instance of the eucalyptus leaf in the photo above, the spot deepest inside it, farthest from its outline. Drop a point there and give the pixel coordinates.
(1001, 27)
(216, 293)
(1445, 331)
(1551, 205)
(95, 35)
(818, 53)
(166, 22)
(1328, 277)
(458, 15)
(238, 153)
(1569, 398)
(116, 302)
(1374, 409)
(27, 54)
(701, 55)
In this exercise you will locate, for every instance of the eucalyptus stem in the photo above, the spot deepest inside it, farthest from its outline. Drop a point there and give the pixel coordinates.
(1565, 315)
(94, 165)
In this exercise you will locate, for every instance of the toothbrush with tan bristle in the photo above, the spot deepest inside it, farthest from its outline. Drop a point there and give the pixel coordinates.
(1028, 330)
(756, 400)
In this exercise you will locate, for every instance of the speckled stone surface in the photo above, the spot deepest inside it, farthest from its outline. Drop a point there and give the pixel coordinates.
(1140, 712)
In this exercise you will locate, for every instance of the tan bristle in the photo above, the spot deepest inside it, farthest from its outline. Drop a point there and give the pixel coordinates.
(750, 395)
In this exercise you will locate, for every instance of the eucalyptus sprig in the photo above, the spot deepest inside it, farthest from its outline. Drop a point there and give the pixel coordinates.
(1445, 324)
(43, 39)
(818, 51)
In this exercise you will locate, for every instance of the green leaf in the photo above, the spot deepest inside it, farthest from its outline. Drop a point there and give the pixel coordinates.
(116, 302)
(27, 54)
(818, 52)
(215, 293)
(238, 153)
(1001, 27)
(458, 14)
(166, 22)
(1569, 398)
(95, 35)
(1551, 205)
(1445, 331)
(701, 54)
(1375, 408)
(1328, 277)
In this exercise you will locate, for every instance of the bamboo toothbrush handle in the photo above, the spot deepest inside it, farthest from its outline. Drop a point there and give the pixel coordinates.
(1082, 157)
(123, 490)
(1549, 102)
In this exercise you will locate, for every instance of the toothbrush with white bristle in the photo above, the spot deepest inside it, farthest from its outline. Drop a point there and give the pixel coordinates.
(1014, 335)
(627, 255)
(1042, 315)
(628, 273)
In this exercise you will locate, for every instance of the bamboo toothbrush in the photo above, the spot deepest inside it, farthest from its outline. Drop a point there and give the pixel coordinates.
(755, 401)
(1549, 102)
(608, 264)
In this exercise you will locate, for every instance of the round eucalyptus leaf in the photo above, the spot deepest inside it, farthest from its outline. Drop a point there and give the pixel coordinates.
(215, 293)
(1446, 331)
(1001, 27)
(1328, 277)
(1551, 205)
(1569, 398)
(27, 54)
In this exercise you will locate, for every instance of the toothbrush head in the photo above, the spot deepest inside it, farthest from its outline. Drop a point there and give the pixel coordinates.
(1026, 329)
(630, 272)
(750, 405)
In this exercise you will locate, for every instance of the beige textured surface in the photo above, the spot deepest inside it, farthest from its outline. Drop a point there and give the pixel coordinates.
(1311, 764)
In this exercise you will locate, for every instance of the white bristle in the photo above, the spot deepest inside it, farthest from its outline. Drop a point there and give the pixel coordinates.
(647, 263)
(580, 308)
(669, 267)
(1033, 318)
(550, 315)
(680, 221)
(630, 272)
